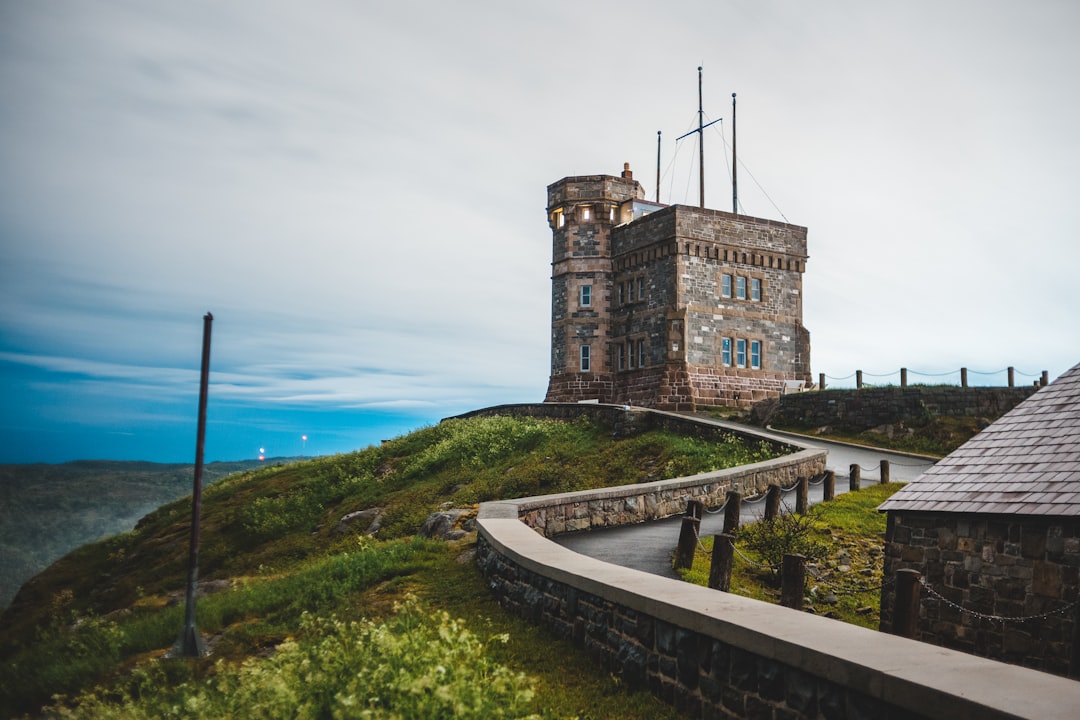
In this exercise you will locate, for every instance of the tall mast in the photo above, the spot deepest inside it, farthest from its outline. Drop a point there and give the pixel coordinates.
(657, 166)
(701, 141)
(734, 163)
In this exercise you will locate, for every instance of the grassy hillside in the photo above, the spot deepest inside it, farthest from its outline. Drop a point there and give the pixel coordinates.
(48, 510)
(290, 577)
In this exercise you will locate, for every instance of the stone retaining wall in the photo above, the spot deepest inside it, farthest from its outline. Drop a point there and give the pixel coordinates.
(718, 655)
(868, 408)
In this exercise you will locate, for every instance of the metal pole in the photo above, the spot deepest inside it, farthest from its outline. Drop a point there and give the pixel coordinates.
(701, 141)
(657, 166)
(190, 643)
(734, 163)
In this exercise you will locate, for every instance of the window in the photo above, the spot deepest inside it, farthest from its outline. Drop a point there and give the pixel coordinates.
(622, 294)
(586, 295)
(740, 288)
(630, 352)
(725, 351)
(560, 219)
(641, 353)
(740, 353)
(611, 213)
(620, 357)
(755, 354)
(641, 288)
(755, 289)
(725, 285)
(586, 213)
(586, 363)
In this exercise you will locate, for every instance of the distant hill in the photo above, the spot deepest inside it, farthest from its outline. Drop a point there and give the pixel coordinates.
(48, 510)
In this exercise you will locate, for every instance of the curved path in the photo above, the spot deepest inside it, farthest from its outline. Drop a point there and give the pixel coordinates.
(648, 546)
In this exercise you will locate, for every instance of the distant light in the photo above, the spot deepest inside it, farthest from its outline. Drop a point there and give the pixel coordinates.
(261, 457)
(303, 437)
(261, 451)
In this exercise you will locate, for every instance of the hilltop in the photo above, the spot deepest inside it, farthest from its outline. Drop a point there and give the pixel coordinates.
(297, 549)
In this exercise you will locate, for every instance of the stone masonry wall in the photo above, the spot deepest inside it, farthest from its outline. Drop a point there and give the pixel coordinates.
(871, 407)
(997, 567)
(700, 675)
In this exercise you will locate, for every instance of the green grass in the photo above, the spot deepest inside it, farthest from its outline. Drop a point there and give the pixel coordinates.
(95, 624)
(935, 436)
(848, 579)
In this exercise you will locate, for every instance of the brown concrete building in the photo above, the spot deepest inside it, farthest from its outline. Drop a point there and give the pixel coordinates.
(994, 531)
(672, 307)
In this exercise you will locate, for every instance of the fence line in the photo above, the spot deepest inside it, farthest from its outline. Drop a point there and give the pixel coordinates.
(1010, 372)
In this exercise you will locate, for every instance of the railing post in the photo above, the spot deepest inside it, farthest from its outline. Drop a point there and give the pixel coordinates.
(1045, 379)
(688, 534)
(906, 606)
(828, 486)
(903, 377)
(772, 501)
(963, 377)
(854, 477)
(731, 511)
(792, 581)
(1012, 377)
(821, 381)
(858, 379)
(884, 472)
(695, 509)
(802, 495)
(723, 559)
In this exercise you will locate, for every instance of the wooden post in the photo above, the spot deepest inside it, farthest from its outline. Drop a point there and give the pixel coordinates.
(858, 379)
(906, 608)
(828, 487)
(963, 377)
(772, 501)
(695, 509)
(723, 559)
(854, 477)
(731, 511)
(1045, 379)
(802, 495)
(688, 534)
(903, 377)
(821, 381)
(792, 581)
(884, 471)
(1012, 377)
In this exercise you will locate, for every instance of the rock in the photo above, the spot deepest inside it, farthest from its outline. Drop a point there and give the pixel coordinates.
(864, 610)
(448, 524)
(830, 599)
(367, 522)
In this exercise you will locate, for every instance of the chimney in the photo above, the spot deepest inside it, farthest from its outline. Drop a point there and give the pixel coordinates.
(626, 171)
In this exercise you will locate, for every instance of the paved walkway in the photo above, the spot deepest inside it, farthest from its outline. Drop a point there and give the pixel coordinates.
(649, 546)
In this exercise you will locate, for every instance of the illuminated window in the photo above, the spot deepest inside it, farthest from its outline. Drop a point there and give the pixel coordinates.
(560, 219)
(755, 354)
(586, 213)
(725, 285)
(586, 362)
(740, 353)
(586, 295)
(755, 289)
(611, 214)
(740, 288)
(725, 351)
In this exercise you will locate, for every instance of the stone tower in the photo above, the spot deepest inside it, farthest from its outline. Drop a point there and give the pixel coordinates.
(672, 307)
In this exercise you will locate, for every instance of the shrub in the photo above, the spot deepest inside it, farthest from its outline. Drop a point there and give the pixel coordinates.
(787, 533)
(412, 665)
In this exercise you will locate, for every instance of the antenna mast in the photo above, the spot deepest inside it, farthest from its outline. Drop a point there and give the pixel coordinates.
(658, 166)
(734, 164)
(701, 138)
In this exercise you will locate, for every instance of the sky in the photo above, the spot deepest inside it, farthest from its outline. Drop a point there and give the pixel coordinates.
(357, 191)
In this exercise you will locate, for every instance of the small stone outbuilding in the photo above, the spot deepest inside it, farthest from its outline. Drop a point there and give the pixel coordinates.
(994, 529)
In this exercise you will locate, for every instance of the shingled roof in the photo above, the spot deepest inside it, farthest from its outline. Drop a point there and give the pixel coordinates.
(1026, 463)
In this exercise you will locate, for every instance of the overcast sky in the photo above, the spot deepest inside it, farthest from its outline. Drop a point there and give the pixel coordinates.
(356, 190)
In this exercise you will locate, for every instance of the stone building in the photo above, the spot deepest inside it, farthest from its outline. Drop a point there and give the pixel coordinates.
(994, 531)
(672, 307)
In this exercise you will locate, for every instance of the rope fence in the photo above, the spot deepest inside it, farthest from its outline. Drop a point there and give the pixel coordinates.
(1010, 374)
